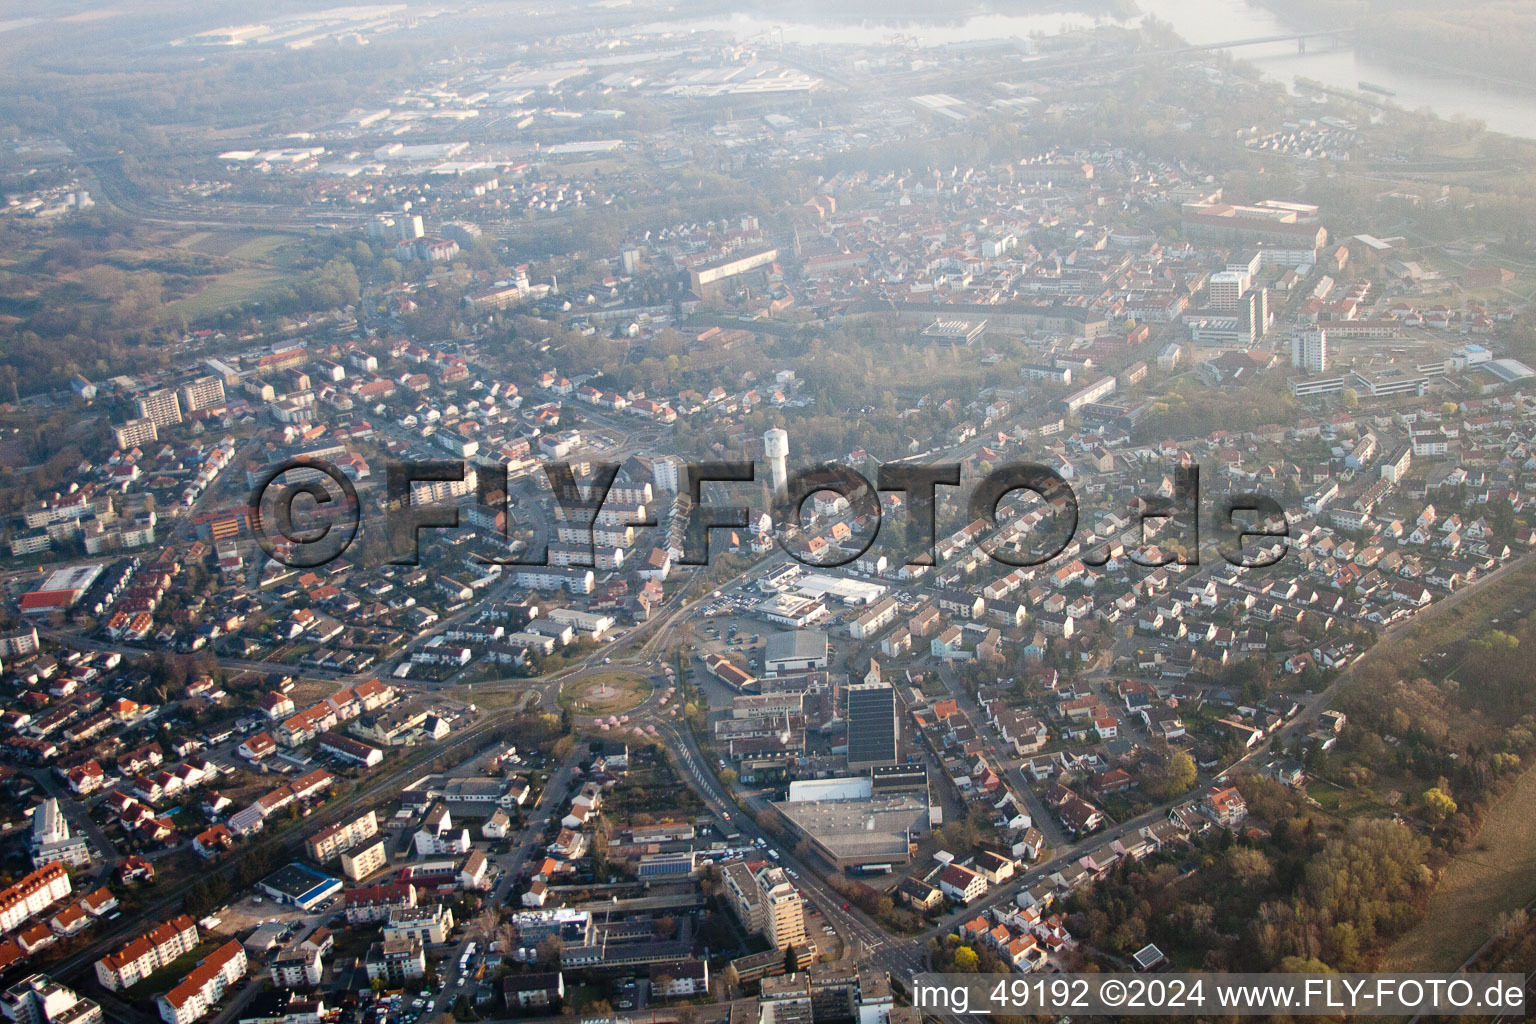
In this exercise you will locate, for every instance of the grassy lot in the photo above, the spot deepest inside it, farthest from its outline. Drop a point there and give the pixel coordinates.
(171, 974)
(1346, 802)
(308, 692)
(241, 245)
(225, 291)
(502, 696)
(1494, 875)
(608, 693)
(259, 249)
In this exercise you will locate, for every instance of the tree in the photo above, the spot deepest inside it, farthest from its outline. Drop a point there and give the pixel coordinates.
(966, 960)
(1438, 804)
(1181, 773)
(1303, 965)
(1170, 774)
(728, 776)
(550, 949)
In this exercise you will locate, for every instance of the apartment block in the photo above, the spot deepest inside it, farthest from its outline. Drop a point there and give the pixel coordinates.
(135, 433)
(203, 393)
(39, 999)
(147, 954)
(33, 894)
(329, 843)
(766, 903)
(430, 924)
(364, 859)
(162, 406)
(204, 986)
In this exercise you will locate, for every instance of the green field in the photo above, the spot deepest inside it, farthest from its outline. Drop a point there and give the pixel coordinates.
(225, 291)
(258, 249)
(240, 245)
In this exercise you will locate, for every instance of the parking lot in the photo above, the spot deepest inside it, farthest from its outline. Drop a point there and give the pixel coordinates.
(251, 911)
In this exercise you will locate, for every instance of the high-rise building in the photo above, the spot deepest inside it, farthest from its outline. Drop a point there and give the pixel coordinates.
(664, 473)
(203, 393)
(160, 405)
(135, 432)
(1226, 289)
(776, 450)
(872, 725)
(783, 910)
(1309, 350)
(39, 999)
(1256, 308)
(52, 840)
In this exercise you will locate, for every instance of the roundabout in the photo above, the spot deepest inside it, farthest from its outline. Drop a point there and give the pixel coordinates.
(605, 693)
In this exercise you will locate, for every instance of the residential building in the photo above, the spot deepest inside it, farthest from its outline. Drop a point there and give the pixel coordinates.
(329, 843)
(1309, 350)
(364, 859)
(204, 986)
(160, 406)
(783, 909)
(430, 924)
(395, 961)
(961, 883)
(202, 393)
(135, 433)
(298, 966)
(33, 894)
(373, 903)
(537, 991)
(52, 840)
(437, 836)
(38, 999)
(147, 954)
(1225, 805)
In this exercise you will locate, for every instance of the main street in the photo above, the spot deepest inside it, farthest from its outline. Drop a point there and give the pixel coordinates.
(866, 942)
(509, 865)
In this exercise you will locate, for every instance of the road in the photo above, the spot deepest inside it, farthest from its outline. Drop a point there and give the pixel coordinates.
(1013, 774)
(866, 941)
(510, 864)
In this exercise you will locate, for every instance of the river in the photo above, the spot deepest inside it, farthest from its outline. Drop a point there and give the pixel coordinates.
(1213, 21)
(1196, 21)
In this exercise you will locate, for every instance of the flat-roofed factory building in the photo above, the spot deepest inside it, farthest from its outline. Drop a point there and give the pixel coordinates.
(873, 731)
(851, 826)
(957, 332)
(799, 650)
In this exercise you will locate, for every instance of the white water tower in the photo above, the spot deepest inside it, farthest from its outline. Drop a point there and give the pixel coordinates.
(776, 448)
